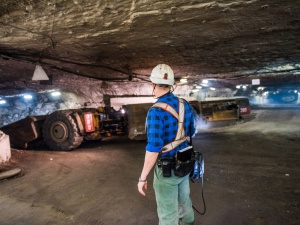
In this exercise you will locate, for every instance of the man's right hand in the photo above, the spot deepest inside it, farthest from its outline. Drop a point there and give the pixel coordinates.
(142, 187)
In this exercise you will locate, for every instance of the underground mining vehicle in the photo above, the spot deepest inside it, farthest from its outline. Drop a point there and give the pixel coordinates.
(66, 129)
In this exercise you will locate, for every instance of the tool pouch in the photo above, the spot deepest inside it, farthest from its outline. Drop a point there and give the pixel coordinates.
(184, 163)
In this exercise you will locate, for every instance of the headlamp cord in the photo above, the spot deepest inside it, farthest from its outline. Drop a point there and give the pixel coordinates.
(202, 180)
(203, 200)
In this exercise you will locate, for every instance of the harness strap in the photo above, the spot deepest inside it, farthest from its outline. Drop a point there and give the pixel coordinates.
(180, 135)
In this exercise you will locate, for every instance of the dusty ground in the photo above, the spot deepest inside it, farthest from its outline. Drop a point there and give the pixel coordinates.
(251, 178)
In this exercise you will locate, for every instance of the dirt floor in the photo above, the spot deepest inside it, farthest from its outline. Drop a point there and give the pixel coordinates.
(251, 176)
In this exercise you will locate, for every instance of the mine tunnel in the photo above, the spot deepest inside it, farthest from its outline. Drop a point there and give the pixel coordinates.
(76, 89)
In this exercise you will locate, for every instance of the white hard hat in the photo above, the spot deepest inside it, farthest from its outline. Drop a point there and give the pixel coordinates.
(162, 74)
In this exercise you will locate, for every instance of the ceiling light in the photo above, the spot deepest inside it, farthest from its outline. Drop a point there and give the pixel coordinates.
(183, 80)
(39, 73)
(27, 96)
(2, 102)
(55, 93)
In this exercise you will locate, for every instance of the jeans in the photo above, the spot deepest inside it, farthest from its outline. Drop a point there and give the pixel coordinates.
(172, 198)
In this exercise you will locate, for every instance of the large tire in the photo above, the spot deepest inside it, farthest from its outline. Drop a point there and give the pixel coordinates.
(60, 131)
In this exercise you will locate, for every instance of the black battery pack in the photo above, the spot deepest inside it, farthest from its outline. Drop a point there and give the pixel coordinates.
(166, 165)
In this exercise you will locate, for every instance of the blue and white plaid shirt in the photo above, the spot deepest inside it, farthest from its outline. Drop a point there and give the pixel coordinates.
(162, 126)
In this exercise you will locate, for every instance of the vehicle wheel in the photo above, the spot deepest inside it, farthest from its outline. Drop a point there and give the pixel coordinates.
(60, 131)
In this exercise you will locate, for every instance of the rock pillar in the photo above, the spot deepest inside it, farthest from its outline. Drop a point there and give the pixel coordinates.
(5, 151)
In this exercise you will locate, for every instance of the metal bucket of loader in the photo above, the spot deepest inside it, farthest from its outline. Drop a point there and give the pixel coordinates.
(23, 131)
(136, 114)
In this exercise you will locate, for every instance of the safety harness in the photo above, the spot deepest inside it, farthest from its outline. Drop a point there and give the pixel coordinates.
(198, 173)
(180, 136)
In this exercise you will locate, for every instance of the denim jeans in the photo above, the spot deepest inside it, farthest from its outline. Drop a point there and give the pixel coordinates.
(172, 198)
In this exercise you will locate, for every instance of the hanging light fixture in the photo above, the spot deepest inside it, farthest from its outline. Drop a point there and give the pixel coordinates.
(39, 73)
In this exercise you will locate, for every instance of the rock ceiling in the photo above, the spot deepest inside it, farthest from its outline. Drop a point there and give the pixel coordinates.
(123, 40)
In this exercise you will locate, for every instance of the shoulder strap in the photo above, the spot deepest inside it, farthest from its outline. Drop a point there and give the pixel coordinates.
(180, 136)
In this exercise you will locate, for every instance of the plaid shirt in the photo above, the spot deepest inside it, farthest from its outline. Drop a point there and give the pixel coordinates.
(162, 126)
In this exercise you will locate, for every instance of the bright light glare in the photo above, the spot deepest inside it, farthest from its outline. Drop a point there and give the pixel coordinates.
(244, 86)
(260, 88)
(183, 80)
(2, 102)
(212, 88)
(195, 90)
(198, 87)
(204, 81)
(122, 111)
(296, 91)
(265, 93)
(55, 93)
(238, 86)
(27, 96)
